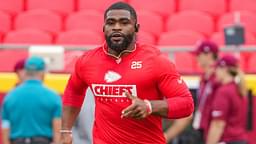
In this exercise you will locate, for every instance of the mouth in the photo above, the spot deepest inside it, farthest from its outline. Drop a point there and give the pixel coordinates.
(117, 37)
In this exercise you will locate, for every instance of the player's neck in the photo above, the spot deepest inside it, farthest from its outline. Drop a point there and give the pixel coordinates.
(116, 54)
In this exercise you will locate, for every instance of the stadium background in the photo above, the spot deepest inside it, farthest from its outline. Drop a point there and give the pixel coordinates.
(175, 26)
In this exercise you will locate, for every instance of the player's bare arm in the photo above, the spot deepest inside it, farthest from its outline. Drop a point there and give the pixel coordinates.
(139, 108)
(69, 116)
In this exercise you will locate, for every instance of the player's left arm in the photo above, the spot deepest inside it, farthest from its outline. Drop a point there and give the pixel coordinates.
(178, 101)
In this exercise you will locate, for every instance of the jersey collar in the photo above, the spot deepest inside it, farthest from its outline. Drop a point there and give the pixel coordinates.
(105, 49)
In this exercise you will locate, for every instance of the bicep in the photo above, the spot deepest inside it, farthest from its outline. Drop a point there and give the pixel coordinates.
(172, 85)
(175, 90)
(75, 90)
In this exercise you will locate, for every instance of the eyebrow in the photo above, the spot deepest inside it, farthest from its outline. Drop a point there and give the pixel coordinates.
(118, 19)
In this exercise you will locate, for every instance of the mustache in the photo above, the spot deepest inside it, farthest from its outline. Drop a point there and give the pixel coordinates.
(117, 34)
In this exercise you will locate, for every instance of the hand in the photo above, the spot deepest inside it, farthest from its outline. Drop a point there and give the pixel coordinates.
(66, 138)
(138, 109)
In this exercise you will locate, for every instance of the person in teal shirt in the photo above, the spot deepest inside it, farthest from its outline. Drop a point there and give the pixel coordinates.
(31, 112)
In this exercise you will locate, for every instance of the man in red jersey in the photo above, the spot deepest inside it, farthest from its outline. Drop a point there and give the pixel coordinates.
(133, 84)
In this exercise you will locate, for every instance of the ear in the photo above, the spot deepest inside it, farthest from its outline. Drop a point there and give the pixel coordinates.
(137, 27)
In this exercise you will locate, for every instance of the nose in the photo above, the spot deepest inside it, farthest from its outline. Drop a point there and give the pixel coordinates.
(117, 27)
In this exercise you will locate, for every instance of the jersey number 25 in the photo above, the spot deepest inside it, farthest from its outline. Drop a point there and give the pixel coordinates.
(136, 65)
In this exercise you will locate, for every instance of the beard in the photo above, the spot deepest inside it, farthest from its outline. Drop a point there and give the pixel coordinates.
(119, 47)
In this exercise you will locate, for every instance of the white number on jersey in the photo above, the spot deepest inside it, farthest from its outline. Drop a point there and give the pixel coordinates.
(136, 65)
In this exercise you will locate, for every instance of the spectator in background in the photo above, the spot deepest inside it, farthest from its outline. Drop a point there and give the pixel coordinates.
(228, 110)
(207, 54)
(31, 112)
(20, 71)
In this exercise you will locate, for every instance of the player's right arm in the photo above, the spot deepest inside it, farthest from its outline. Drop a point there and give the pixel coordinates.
(72, 101)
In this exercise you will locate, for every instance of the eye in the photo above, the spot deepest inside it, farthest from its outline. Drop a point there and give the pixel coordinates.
(125, 22)
(110, 22)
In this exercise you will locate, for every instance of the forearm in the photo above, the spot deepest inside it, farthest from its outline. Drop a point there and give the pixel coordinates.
(215, 131)
(69, 116)
(173, 108)
(5, 136)
(180, 107)
(178, 126)
(159, 107)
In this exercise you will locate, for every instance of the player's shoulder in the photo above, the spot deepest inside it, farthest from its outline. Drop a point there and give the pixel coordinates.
(91, 54)
(149, 49)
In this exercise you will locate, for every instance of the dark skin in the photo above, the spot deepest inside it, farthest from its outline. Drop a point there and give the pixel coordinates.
(117, 21)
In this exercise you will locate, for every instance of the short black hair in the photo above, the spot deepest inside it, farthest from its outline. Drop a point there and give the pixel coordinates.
(122, 6)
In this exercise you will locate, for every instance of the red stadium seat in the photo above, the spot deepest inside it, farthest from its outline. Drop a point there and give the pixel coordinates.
(28, 36)
(100, 5)
(12, 6)
(218, 38)
(176, 38)
(162, 7)
(213, 7)
(60, 6)
(191, 20)
(89, 20)
(238, 5)
(1, 37)
(247, 19)
(144, 37)
(243, 62)
(185, 63)
(146, 19)
(251, 64)
(79, 37)
(5, 22)
(39, 19)
(9, 58)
